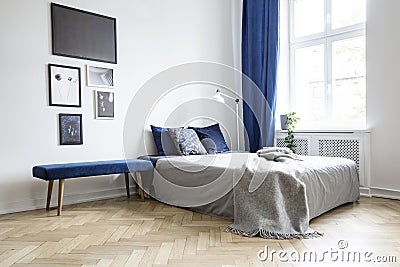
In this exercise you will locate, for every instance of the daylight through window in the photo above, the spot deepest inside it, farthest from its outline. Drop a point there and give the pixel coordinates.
(327, 63)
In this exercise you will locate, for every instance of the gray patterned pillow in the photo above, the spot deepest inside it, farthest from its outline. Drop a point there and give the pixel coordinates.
(186, 141)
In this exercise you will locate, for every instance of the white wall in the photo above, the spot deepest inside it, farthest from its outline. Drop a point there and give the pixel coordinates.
(383, 91)
(152, 36)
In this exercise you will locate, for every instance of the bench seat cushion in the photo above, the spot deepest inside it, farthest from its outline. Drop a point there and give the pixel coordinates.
(83, 169)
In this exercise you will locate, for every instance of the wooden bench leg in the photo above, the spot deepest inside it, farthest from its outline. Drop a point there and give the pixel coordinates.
(139, 181)
(49, 191)
(60, 195)
(127, 185)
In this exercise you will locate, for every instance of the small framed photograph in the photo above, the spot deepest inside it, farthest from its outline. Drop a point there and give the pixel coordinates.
(100, 76)
(70, 129)
(64, 86)
(104, 105)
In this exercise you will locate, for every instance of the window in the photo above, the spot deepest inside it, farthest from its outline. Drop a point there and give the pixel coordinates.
(327, 63)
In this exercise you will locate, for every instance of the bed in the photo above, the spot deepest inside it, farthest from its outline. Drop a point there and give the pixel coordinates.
(244, 187)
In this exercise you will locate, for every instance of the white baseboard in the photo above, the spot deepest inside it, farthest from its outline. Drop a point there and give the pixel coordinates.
(40, 203)
(365, 192)
(380, 192)
(385, 193)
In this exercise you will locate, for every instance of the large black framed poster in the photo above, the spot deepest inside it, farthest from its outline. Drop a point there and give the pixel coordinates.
(82, 34)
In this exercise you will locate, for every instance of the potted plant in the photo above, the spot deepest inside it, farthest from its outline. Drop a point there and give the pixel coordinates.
(288, 122)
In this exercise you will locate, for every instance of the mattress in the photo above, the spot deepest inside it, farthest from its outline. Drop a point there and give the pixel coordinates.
(204, 183)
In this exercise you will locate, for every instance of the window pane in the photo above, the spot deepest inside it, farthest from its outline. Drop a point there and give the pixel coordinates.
(308, 17)
(348, 83)
(309, 86)
(347, 12)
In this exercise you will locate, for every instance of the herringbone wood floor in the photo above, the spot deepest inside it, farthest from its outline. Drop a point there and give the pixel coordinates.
(128, 232)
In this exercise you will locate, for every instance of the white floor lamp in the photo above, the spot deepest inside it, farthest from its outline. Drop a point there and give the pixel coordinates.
(220, 97)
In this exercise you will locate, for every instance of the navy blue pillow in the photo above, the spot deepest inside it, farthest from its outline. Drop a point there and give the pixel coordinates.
(212, 138)
(163, 141)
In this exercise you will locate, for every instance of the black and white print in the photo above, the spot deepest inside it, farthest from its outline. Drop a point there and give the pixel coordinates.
(64, 86)
(100, 76)
(70, 129)
(186, 141)
(105, 105)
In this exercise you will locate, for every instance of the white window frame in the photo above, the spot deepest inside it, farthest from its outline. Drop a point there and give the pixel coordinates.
(327, 37)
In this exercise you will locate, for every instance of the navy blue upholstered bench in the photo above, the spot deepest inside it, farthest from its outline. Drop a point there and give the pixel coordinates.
(64, 171)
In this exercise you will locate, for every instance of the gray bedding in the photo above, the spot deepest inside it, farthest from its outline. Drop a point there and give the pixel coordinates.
(204, 183)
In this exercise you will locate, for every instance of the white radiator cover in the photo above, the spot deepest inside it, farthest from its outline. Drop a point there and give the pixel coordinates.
(353, 145)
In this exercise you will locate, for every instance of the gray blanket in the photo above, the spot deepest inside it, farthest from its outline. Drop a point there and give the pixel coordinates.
(205, 184)
(282, 196)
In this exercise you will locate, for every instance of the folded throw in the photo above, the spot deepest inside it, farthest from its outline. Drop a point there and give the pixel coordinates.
(277, 153)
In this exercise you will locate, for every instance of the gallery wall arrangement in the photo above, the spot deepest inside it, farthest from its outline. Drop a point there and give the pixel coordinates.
(75, 34)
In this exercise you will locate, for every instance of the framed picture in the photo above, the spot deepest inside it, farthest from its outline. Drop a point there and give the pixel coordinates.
(64, 86)
(104, 105)
(70, 129)
(82, 34)
(100, 76)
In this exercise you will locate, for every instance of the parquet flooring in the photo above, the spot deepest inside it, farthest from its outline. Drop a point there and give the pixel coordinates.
(128, 232)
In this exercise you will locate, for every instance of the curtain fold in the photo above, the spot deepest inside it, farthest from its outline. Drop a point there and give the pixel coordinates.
(260, 51)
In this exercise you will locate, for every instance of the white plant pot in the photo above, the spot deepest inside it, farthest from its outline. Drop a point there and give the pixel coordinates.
(284, 125)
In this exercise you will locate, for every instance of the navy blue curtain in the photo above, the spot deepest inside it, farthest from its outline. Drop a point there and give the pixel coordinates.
(260, 48)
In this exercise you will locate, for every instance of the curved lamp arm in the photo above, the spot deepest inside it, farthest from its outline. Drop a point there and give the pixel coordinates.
(219, 96)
